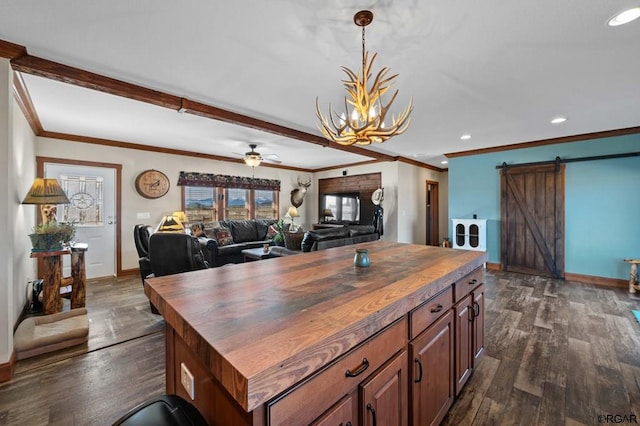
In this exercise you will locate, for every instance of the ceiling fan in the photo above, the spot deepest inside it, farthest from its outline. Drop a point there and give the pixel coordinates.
(254, 158)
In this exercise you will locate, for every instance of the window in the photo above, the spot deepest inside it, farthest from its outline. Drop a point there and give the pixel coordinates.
(236, 204)
(199, 204)
(210, 197)
(206, 204)
(265, 204)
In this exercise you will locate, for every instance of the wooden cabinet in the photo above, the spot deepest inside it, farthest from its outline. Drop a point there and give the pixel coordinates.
(305, 403)
(344, 413)
(470, 234)
(384, 395)
(432, 372)
(469, 332)
(386, 349)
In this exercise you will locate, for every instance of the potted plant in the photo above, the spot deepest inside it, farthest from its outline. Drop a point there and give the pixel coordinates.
(278, 239)
(51, 236)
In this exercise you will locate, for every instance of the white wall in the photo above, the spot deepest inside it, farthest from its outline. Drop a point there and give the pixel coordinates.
(412, 200)
(6, 206)
(389, 172)
(404, 198)
(17, 168)
(135, 161)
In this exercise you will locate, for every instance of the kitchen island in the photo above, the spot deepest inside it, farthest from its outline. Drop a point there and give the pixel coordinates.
(313, 339)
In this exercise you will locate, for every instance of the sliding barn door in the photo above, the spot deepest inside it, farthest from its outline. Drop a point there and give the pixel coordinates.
(532, 229)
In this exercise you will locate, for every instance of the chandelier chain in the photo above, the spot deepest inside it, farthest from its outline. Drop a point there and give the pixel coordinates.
(363, 50)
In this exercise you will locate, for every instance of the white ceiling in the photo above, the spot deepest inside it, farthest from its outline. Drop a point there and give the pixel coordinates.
(499, 70)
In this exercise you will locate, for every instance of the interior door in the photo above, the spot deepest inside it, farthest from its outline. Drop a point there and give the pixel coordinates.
(433, 220)
(532, 229)
(91, 191)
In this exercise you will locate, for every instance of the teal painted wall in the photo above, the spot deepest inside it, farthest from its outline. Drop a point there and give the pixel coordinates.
(602, 201)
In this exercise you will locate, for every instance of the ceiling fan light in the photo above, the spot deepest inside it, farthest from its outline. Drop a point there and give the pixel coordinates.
(252, 158)
(624, 17)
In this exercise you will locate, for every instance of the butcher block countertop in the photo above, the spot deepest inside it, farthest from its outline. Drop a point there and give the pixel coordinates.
(261, 327)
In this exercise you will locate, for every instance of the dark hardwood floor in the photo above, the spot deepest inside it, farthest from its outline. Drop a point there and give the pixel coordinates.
(121, 365)
(557, 353)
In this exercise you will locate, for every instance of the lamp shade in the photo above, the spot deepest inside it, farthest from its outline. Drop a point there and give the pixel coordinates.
(45, 191)
(327, 213)
(180, 216)
(293, 212)
(170, 224)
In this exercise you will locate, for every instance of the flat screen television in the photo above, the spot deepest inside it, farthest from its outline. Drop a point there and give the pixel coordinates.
(345, 207)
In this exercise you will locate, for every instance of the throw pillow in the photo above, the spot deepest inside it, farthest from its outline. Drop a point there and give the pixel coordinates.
(272, 232)
(293, 240)
(223, 237)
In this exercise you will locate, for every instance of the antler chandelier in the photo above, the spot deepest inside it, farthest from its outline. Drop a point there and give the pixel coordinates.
(365, 123)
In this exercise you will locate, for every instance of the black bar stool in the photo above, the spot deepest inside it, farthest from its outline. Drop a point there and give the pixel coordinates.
(163, 410)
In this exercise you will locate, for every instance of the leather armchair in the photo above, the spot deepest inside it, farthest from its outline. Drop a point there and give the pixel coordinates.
(174, 253)
(141, 235)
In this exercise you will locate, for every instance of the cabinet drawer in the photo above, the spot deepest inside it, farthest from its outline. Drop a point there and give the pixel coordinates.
(465, 285)
(425, 315)
(310, 399)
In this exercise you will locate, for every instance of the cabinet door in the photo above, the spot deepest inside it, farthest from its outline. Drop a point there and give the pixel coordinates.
(478, 324)
(384, 395)
(464, 329)
(344, 413)
(432, 372)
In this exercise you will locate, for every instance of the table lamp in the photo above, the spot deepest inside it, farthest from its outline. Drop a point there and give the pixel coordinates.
(170, 223)
(180, 216)
(327, 213)
(46, 193)
(292, 212)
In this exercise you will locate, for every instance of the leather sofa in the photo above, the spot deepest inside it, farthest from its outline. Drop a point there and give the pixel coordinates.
(246, 234)
(321, 239)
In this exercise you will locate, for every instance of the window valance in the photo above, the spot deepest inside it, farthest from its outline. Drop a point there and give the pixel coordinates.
(225, 181)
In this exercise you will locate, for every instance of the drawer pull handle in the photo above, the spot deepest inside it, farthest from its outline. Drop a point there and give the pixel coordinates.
(473, 282)
(373, 414)
(358, 371)
(419, 364)
(437, 309)
(476, 309)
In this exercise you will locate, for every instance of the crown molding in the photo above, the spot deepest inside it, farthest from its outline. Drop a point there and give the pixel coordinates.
(149, 148)
(553, 141)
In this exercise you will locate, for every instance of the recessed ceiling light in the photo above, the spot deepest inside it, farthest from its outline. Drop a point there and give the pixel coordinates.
(465, 137)
(624, 17)
(444, 162)
(559, 120)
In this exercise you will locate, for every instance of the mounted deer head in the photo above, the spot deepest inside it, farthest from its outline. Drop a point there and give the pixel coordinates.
(297, 195)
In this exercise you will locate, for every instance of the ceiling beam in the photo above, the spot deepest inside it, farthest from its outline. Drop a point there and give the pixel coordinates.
(11, 50)
(76, 76)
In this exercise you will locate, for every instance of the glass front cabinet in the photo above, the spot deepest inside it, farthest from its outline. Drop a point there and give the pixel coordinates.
(470, 234)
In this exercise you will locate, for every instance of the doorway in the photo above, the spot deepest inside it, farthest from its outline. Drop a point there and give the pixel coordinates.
(94, 207)
(532, 228)
(432, 208)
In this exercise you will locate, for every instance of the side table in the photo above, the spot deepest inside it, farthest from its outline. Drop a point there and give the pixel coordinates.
(256, 254)
(633, 275)
(51, 301)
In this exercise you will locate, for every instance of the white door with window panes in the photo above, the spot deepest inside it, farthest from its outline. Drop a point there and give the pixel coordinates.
(91, 192)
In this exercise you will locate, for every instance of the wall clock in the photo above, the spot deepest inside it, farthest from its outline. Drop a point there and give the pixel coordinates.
(152, 184)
